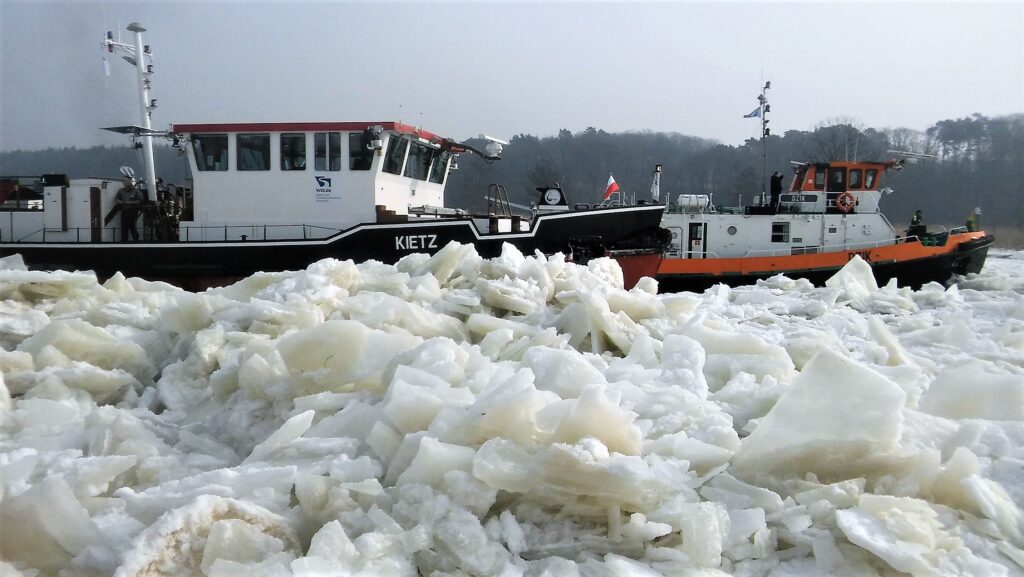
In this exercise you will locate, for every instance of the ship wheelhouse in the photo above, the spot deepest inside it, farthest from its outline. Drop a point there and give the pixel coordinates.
(307, 180)
(835, 187)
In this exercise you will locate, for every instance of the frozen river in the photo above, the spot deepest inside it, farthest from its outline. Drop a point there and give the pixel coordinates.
(520, 416)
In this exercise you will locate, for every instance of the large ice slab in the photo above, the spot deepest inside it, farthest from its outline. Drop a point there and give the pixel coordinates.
(837, 418)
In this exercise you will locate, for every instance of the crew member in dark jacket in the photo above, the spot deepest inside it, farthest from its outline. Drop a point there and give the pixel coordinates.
(776, 190)
(129, 200)
(917, 227)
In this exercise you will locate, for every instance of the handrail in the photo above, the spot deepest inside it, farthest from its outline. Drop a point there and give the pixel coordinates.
(828, 248)
(42, 230)
(253, 228)
(224, 230)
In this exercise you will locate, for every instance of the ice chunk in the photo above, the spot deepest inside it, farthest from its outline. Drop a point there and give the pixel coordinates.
(460, 537)
(508, 408)
(728, 353)
(384, 441)
(332, 543)
(174, 544)
(640, 529)
(975, 390)
(239, 541)
(292, 429)
(560, 472)
(45, 526)
(5, 395)
(705, 530)
(841, 495)
(731, 492)
(595, 415)
(683, 364)
(837, 417)
(415, 397)
(269, 485)
(11, 361)
(855, 279)
(702, 456)
(897, 354)
(190, 313)
(516, 295)
(434, 459)
(606, 269)
(907, 535)
(80, 341)
(339, 355)
(565, 372)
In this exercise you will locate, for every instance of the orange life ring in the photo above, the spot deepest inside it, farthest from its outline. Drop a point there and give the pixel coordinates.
(845, 202)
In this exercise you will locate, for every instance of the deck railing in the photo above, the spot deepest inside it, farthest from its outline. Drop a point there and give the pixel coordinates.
(229, 233)
(938, 238)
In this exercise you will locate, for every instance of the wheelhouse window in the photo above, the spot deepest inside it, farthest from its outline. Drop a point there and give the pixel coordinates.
(780, 232)
(395, 156)
(870, 176)
(211, 151)
(15, 197)
(855, 178)
(837, 180)
(327, 147)
(253, 151)
(360, 154)
(439, 169)
(418, 164)
(798, 182)
(293, 151)
(819, 179)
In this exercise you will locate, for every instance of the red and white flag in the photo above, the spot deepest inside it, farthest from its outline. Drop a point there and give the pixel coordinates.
(612, 187)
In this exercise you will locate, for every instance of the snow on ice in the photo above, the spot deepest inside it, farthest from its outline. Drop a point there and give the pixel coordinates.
(518, 416)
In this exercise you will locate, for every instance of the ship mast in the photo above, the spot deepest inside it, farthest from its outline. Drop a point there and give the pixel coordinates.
(765, 132)
(140, 56)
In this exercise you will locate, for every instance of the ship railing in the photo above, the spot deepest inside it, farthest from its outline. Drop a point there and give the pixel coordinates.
(255, 232)
(106, 234)
(821, 249)
(186, 234)
(692, 254)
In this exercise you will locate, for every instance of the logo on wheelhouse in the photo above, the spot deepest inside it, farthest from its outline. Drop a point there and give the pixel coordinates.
(324, 190)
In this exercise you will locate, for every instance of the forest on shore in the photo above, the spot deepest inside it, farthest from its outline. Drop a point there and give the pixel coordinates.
(974, 161)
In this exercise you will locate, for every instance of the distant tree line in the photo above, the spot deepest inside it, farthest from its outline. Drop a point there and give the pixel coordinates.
(978, 161)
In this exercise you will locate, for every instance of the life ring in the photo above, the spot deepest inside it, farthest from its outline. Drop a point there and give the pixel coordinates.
(845, 202)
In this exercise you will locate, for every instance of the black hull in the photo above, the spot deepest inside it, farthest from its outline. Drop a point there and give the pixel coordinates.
(182, 262)
(968, 257)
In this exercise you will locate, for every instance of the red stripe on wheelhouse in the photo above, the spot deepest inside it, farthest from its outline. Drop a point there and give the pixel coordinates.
(301, 127)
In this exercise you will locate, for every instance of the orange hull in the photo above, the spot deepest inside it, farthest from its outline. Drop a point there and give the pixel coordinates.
(802, 265)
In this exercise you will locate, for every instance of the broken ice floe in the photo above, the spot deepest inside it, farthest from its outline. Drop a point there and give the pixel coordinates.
(518, 416)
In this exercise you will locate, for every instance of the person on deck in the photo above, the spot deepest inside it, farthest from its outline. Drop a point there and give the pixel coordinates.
(916, 226)
(776, 190)
(129, 200)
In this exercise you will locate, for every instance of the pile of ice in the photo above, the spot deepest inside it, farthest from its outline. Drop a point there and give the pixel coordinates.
(519, 416)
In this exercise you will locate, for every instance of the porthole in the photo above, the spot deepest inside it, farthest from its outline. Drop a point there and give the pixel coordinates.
(731, 230)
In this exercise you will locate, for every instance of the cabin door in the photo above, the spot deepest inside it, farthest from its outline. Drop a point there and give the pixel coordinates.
(95, 215)
(696, 247)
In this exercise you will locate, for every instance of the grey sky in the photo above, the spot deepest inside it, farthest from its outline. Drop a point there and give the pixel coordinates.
(460, 69)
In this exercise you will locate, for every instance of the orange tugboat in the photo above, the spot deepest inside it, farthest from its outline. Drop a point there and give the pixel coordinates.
(829, 214)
